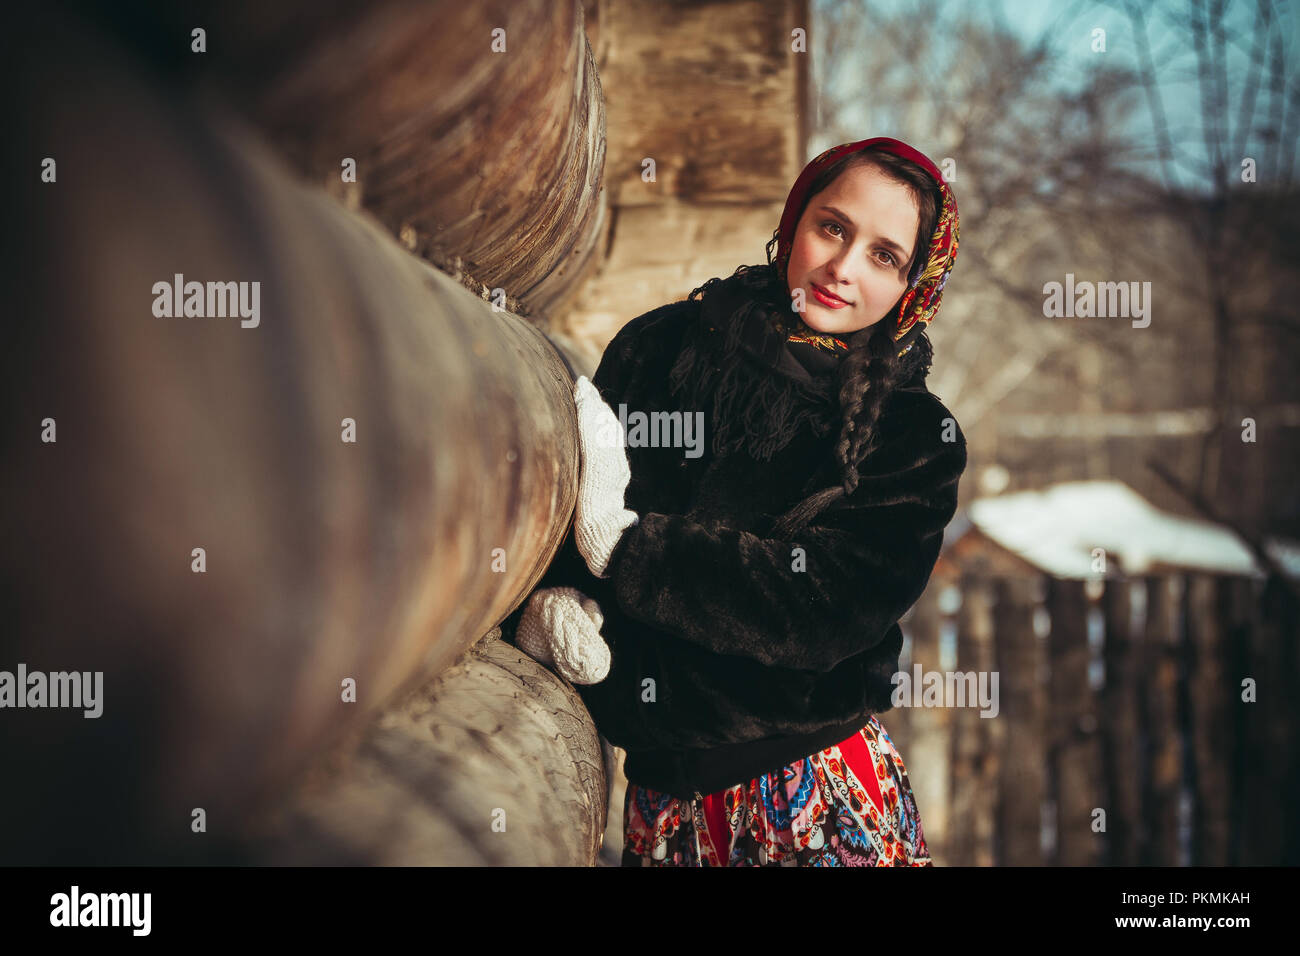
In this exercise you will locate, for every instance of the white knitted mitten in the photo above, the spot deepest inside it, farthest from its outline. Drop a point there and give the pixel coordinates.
(561, 627)
(600, 518)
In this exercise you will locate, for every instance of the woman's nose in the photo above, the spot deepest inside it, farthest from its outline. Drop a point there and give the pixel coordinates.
(837, 269)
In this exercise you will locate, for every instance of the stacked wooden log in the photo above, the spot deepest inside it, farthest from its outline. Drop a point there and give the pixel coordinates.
(280, 532)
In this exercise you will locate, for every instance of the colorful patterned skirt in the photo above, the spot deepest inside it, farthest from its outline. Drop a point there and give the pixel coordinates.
(848, 805)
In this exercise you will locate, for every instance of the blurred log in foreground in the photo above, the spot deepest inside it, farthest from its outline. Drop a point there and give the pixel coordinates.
(493, 762)
(477, 130)
(239, 518)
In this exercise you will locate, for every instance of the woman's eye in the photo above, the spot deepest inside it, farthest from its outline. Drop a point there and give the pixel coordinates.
(889, 259)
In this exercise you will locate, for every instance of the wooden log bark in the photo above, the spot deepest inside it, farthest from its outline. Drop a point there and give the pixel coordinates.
(325, 561)
(478, 130)
(494, 762)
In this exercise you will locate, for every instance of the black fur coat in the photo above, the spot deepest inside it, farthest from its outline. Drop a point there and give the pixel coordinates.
(722, 637)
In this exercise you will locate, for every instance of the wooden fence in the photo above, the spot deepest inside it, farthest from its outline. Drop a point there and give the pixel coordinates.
(1145, 721)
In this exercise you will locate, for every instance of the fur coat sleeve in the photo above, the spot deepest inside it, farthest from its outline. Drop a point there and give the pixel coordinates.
(626, 353)
(830, 592)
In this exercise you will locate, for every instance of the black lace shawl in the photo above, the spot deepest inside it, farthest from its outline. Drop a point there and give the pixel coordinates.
(764, 375)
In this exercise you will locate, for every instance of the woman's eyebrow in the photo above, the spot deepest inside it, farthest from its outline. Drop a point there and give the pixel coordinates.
(884, 241)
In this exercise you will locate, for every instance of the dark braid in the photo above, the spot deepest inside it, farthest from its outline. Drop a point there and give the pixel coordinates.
(871, 370)
(867, 375)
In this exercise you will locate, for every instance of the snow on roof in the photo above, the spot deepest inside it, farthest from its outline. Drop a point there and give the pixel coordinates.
(1056, 529)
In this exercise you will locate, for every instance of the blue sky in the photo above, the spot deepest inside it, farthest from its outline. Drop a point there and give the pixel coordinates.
(1067, 25)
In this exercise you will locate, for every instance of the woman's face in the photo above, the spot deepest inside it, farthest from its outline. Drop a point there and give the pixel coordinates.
(854, 241)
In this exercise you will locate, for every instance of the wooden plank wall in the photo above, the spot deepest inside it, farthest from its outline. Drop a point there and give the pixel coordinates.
(713, 94)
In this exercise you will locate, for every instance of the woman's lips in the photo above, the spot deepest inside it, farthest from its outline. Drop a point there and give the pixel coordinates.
(826, 298)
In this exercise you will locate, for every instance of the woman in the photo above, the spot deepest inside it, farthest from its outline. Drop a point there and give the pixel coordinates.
(748, 597)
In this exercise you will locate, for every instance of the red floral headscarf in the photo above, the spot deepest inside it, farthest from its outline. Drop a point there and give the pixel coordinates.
(925, 284)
